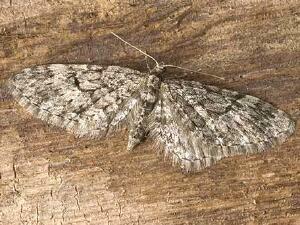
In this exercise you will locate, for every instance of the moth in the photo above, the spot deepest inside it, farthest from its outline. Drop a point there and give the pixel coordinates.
(194, 124)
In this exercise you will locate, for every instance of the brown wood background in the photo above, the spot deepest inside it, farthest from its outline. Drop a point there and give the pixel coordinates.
(49, 177)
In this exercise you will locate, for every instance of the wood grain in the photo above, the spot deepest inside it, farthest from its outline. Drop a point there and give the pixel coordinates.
(47, 176)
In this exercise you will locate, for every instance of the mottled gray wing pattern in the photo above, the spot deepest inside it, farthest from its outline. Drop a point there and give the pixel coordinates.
(88, 100)
(198, 124)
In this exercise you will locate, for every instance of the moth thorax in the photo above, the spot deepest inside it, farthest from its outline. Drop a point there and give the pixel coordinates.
(153, 81)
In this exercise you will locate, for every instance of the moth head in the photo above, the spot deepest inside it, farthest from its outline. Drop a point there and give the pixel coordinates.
(158, 70)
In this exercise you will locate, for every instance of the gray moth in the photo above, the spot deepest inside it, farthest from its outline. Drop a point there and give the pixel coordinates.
(193, 124)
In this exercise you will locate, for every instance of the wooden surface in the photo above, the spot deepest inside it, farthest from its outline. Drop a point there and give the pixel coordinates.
(49, 177)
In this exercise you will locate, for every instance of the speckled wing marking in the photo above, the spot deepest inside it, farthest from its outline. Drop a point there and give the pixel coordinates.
(88, 100)
(197, 125)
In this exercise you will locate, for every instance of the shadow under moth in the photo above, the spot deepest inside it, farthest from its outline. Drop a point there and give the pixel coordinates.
(193, 124)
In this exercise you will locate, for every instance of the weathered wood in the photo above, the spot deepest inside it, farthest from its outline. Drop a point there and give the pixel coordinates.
(49, 177)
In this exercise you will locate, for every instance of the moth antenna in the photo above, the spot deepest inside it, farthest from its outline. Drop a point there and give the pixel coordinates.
(136, 48)
(195, 71)
(156, 62)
